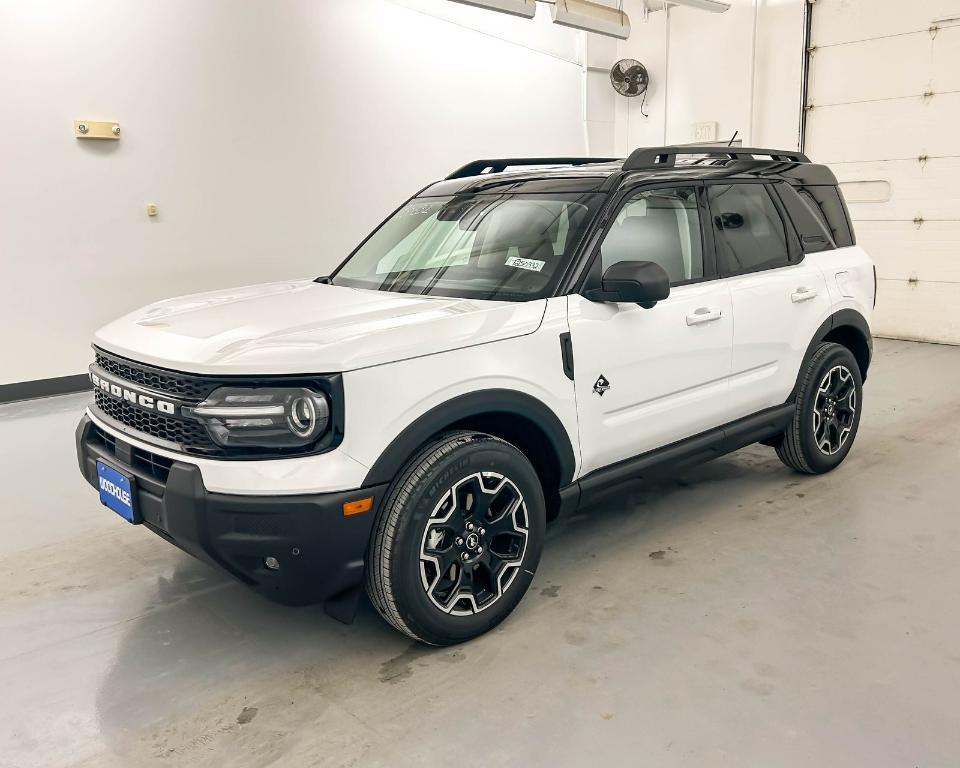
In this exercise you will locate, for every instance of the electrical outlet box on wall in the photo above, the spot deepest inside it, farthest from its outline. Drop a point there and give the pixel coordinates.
(96, 129)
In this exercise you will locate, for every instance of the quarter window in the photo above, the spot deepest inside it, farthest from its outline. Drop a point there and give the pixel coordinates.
(825, 201)
(659, 225)
(747, 228)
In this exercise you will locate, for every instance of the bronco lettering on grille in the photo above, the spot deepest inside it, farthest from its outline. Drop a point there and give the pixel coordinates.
(133, 396)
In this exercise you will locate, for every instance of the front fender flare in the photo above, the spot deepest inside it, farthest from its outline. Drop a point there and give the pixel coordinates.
(472, 405)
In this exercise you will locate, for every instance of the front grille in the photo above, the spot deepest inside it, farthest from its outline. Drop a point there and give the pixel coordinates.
(180, 385)
(189, 434)
(186, 433)
(106, 440)
(158, 467)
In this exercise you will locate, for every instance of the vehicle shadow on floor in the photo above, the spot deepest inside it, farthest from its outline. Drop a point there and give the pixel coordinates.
(205, 646)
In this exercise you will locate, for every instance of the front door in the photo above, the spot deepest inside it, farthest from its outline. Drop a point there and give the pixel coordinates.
(646, 378)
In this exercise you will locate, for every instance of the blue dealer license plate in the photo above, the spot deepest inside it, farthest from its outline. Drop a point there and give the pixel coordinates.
(116, 492)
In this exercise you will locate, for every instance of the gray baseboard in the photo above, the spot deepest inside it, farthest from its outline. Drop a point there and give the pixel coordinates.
(28, 390)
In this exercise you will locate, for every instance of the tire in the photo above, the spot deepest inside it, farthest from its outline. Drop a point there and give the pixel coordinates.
(457, 540)
(828, 406)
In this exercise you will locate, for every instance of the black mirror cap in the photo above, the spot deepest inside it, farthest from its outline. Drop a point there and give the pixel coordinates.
(639, 282)
(728, 221)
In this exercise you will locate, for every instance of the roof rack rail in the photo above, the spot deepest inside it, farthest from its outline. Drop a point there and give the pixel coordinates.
(496, 165)
(654, 157)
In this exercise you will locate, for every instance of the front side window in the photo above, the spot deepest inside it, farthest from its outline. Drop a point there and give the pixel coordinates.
(504, 247)
(747, 228)
(659, 225)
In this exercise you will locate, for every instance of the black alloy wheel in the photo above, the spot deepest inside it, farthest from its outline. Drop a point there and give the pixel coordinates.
(457, 540)
(473, 543)
(827, 411)
(835, 409)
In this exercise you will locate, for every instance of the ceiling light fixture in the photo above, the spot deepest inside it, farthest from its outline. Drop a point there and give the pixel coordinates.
(713, 6)
(592, 17)
(525, 8)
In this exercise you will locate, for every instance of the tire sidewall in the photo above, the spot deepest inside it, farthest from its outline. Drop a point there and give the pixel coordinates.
(819, 461)
(481, 454)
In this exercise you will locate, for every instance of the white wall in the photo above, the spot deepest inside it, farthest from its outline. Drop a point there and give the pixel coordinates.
(704, 67)
(272, 135)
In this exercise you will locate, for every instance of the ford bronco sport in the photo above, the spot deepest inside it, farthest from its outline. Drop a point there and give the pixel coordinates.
(509, 341)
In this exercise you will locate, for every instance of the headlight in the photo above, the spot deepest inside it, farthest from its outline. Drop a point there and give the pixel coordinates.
(264, 417)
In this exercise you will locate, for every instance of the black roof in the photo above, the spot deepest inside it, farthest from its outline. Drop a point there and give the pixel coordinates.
(586, 174)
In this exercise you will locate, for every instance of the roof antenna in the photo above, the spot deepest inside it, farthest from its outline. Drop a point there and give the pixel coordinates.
(730, 143)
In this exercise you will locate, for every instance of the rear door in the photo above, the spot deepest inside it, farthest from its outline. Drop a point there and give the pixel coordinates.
(649, 377)
(779, 297)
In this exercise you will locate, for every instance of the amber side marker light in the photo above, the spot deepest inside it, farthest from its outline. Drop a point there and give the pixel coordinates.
(358, 506)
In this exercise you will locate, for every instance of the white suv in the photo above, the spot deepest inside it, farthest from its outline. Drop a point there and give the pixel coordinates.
(508, 342)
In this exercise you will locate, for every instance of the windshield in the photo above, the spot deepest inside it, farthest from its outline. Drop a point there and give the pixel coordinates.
(505, 247)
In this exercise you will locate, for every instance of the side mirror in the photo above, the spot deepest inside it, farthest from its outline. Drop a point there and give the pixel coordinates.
(729, 221)
(640, 282)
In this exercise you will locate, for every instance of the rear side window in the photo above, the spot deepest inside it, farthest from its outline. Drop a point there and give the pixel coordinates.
(826, 202)
(747, 228)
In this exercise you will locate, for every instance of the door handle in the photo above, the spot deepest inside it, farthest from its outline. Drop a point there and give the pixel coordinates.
(703, 315)
(803, 294)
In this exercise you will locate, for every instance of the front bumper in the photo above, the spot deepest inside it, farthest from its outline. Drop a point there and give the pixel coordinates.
(320, 550)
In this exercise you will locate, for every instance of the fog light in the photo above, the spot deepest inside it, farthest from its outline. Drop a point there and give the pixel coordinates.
(272, 563)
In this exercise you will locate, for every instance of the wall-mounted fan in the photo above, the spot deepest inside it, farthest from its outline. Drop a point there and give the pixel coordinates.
(630, 78)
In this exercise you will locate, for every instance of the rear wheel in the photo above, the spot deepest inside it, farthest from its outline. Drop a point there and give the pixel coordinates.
(457, 540)
(827, 412)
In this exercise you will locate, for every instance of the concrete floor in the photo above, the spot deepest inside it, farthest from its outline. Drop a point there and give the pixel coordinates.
(737, 614)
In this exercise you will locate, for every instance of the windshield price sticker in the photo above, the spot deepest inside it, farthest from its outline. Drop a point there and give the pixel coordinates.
(532, 264)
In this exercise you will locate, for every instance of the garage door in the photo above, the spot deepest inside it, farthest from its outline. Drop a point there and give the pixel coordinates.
(884, 113)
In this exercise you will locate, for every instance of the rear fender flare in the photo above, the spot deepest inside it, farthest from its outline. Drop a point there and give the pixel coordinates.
(844, 318)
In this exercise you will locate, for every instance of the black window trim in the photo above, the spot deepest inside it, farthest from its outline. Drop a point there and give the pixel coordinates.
(795, 254)
(811, 202)
(849, 233)
(780, 190)
(589, 276)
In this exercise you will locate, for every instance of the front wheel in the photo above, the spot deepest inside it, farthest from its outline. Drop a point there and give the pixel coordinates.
(458, 539)
(827, 414)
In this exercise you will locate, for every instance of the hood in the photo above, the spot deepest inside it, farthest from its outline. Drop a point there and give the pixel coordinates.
(308, 327)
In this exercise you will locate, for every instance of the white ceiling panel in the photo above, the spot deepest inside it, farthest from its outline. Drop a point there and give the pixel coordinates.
(842, 21)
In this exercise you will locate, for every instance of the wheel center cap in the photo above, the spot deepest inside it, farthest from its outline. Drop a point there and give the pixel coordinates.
(472, 541)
